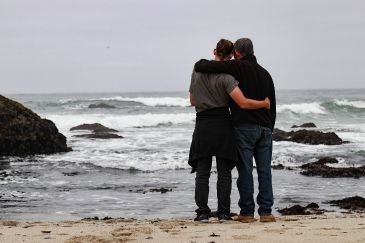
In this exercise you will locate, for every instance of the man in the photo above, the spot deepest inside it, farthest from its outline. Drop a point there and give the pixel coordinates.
(213, 134)
(252, 128)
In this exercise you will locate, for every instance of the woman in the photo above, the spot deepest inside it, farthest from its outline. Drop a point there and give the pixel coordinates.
(213, 134)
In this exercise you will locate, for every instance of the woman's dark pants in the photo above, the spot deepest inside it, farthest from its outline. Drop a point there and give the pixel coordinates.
(224, 185)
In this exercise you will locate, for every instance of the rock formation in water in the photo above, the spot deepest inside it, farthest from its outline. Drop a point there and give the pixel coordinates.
(352, 204)
(307, 137)
(99, 131)
(305, 125)
(320, 168)
(311, 208)
(22, 132)
(95, 127)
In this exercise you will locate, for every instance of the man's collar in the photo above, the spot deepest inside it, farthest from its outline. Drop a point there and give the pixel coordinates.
(250, 58)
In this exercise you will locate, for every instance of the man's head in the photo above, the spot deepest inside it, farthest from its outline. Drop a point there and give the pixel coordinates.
(223, 50)
(243, 47)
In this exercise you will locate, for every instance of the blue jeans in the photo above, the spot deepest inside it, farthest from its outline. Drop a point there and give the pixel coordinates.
(254, 141)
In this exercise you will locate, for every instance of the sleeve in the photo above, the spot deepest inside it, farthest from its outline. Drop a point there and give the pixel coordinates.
(191, 82)
(228, 67)
(272, 105)
(230, 83)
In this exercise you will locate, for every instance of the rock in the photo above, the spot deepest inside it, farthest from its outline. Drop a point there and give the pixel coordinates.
(320, 168)
(311, 208)
(278, 167)
(307, 137)
(99, 135)
(305, 125)
(106, 218)
(23, 132)
(162, 190)
(71, 173)
(144, 191)
(321, 161)
(91, 218)
(95, 127)
(356, 204)
(101, 106)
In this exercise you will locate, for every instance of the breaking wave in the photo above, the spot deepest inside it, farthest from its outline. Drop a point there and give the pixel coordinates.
(65, 122)
(356, 104)
(153, 101)
(302, 108)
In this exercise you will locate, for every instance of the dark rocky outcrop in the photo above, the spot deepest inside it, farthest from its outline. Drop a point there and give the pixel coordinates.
(353, 204)
(95, 127)
(321, 161)
(307, 137)
(311, 208)
(23, 132)
(99, 131)
(281, 167)
(320, 168)
(99, 135)
(305, 125)
(278, 167)
(101, 106)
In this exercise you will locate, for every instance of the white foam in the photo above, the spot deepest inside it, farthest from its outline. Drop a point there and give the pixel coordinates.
(64, 101)
(65, 122)
(303, 108)
(154, 101)
(286, 160)
(356, 104)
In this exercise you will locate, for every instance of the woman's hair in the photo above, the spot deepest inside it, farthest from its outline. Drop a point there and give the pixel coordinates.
(224, 48)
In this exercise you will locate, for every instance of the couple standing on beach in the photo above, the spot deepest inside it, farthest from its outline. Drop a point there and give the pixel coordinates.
(234, 129)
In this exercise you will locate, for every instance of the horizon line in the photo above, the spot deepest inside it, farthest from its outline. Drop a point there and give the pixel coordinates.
(171, 91)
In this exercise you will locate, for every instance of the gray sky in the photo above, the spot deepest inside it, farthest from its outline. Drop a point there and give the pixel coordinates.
(151, 45)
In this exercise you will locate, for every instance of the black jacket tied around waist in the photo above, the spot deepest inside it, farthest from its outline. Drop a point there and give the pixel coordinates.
(213, 136)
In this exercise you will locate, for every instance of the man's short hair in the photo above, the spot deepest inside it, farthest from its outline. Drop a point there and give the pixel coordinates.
(244, 46)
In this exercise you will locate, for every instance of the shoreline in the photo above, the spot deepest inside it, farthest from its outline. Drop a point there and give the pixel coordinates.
(123, 194)
(330, 227)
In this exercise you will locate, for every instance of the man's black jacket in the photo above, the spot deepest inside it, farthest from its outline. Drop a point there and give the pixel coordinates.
(255, 83)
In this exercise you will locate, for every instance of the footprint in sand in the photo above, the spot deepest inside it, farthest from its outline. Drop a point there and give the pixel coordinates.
(88, 239)
(240, 227)
(282, 230)
(129, 231)
(10, 223)
(243, 237)
(332, 228)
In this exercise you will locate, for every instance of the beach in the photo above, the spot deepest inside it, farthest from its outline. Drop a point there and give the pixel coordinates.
(322, 228)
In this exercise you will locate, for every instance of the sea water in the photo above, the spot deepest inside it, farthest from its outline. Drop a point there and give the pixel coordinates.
(107, 177)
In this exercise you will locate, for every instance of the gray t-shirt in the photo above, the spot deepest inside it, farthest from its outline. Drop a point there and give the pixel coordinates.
(210, 90)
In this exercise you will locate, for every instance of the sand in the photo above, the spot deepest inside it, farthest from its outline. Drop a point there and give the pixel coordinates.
(324, 228)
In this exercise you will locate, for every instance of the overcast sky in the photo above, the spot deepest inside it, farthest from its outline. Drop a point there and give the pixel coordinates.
(152, 45)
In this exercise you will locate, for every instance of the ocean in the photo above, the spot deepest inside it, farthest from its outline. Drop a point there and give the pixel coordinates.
(113, 177)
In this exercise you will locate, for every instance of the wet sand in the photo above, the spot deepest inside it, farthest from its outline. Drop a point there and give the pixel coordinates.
(333, 227)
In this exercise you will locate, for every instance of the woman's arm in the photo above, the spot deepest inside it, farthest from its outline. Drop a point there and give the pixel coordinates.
(245, 103)
(191, 97)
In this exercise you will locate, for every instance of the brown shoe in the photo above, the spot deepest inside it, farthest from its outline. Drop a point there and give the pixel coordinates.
(267, 218)
(245, 219)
